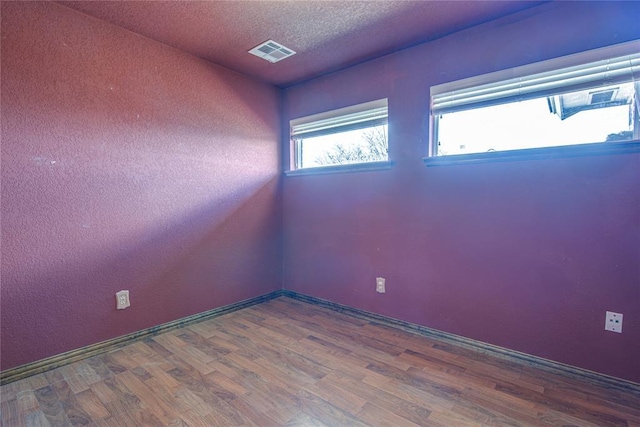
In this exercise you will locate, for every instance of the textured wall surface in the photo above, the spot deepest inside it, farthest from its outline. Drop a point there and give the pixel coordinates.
(526, 255)
(126, 164)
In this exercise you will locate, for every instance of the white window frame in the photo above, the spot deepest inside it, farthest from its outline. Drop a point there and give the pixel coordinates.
(345, 119)
(604, 66)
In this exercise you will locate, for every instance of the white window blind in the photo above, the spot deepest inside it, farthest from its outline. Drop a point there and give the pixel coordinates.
(351, 118)
(531, 81)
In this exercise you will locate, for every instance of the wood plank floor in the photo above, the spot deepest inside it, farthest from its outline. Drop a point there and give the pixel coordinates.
(288, 363)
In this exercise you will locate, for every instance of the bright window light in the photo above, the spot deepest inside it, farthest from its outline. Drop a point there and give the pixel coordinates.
(347, 136)
(566, 101)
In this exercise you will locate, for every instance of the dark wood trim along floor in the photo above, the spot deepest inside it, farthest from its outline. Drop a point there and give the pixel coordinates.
(479, 346)
(285, 362)
(499, 352)
(62, 359)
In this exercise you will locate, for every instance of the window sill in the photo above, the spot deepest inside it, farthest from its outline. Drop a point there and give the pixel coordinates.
(355, 167)
(580, 150)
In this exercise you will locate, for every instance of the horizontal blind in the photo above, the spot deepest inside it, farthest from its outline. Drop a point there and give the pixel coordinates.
(342, 123)
(605, 72)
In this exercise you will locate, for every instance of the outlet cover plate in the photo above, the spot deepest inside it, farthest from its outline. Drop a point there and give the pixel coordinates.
(122, 300)
(380, 285)
(613, 322)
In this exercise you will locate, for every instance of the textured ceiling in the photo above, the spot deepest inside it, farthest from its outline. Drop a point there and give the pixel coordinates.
(327, 35)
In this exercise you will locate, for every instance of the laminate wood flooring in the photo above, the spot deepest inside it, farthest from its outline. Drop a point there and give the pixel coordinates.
(288, 363)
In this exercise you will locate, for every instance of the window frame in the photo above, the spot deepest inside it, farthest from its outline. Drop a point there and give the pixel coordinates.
(359, 116)
(526, 72)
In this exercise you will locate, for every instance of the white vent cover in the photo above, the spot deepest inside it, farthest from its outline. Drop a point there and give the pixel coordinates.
(271, 51)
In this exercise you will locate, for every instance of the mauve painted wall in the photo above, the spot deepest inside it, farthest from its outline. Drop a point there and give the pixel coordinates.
(126, 164)
(526, 255)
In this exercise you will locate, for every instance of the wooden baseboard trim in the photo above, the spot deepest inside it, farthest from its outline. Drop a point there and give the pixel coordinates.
(569, 371)
(20, 372)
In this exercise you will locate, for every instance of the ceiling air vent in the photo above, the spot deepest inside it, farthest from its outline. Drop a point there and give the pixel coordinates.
(271, 51)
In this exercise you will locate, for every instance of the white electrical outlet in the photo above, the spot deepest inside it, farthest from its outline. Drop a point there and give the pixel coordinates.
(613, 322)
(380, 285)
(122, 300)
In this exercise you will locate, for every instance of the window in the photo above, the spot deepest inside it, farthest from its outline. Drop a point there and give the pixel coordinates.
(592, 97)
(347, 136)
